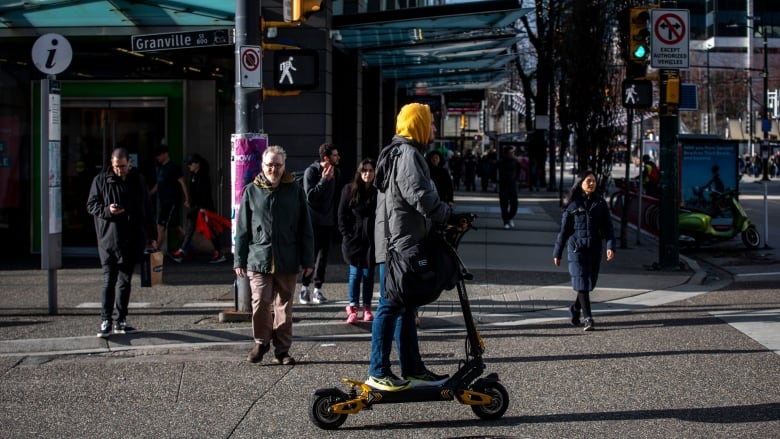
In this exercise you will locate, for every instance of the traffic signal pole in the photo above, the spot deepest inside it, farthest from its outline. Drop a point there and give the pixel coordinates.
(247, 111)
(669, 118)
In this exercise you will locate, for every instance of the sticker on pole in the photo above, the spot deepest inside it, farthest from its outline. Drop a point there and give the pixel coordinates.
(250, 66)
(51, 53)
(670, 48)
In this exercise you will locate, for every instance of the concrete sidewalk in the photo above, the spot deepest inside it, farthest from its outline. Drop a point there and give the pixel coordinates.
(514, 280)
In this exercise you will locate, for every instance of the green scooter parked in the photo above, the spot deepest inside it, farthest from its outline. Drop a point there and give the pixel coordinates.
(722, 220)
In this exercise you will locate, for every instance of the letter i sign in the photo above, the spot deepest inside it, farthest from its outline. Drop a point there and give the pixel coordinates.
(51, 54)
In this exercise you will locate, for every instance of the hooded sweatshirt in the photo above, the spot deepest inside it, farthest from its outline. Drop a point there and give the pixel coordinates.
(407, 198)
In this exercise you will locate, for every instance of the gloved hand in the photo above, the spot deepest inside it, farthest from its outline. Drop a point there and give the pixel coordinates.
(461, 220)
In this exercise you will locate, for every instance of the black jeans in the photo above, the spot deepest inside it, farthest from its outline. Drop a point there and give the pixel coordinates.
(322, 237)
(113, 274)
(507, 198)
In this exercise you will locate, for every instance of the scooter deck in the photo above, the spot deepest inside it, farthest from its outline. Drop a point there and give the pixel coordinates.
(420, 393)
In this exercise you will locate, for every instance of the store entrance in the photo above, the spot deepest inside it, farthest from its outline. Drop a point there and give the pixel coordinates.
(91, 129)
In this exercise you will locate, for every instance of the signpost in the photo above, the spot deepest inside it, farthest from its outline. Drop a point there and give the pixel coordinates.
(51, 54)
(182, 40)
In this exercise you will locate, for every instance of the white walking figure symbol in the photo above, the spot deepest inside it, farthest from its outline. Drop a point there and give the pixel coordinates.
(631, 94)
(285, 67)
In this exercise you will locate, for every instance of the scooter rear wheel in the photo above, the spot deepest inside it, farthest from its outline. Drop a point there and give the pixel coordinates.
(751, 238)
(497, 406)
(321, 415)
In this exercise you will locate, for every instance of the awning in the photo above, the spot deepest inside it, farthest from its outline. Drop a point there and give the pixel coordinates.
(443, 48)
(112, 17)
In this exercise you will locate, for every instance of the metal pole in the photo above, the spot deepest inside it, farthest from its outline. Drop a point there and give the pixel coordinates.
(765, 122)
(766, 218)
(247, 103)
(709, 92)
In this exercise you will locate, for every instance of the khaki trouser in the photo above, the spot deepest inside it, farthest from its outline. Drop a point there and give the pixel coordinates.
(272, 309)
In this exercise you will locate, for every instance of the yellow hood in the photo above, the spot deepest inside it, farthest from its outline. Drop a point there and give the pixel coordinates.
(414, 123)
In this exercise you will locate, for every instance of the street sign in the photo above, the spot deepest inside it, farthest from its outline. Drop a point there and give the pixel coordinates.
(670, 45)
(637, 93)
(250, 63)
(296, 69)
(182, 40)
(51, 53)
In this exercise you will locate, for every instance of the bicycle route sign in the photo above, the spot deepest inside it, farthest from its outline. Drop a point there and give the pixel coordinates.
(670, 45)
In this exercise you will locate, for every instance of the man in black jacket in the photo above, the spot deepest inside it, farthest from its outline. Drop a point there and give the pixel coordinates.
(321, 185)
(119, 202)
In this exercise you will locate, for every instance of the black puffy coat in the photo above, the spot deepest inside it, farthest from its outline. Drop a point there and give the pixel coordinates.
(356, 224)
(586, 222)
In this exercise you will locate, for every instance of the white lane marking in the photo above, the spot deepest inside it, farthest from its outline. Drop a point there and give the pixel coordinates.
(762, 326)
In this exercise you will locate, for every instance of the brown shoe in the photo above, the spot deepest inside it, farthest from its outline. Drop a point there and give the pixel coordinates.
(257, 353)
(284, 359)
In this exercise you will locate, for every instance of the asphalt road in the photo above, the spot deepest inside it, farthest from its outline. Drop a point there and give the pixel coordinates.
(690, 368)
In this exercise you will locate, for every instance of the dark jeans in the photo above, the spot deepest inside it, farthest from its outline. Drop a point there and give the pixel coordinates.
(507, 198)
(113, 274)
(322, 236)
(393, 322)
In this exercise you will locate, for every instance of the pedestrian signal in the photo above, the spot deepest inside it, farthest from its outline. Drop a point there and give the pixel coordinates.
(296, 70)
(637, 93)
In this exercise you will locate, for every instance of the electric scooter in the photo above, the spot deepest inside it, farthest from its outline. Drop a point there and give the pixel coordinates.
(722, 220)
(486, 396)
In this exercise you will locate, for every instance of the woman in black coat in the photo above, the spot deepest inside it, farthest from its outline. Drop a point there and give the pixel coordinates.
(585, 224)
(440, 176)
(356, 216)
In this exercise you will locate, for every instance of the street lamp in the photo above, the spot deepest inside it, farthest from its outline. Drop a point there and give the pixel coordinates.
(766, 123)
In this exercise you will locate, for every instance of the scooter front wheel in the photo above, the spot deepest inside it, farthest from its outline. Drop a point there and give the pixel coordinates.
(498, 405)
(751, 238)
(320, 412)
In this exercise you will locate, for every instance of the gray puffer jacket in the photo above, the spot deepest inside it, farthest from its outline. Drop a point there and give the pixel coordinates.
(406, 197)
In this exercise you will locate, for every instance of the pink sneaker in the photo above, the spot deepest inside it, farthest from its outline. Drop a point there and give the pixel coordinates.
(351, 314)
(367, 316)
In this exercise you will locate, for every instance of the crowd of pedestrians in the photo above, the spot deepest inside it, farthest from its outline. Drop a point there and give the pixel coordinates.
(285, 227)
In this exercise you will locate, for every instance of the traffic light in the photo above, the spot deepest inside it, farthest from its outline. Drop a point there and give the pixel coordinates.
(639, 35)
(301, 9)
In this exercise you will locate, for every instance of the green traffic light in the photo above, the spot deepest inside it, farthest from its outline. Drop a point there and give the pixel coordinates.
(640, 52)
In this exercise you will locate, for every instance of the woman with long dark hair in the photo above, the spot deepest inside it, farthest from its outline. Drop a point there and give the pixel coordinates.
(356, 215)
(586, 223)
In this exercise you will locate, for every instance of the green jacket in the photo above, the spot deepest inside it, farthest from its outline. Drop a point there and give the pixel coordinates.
(274, 232)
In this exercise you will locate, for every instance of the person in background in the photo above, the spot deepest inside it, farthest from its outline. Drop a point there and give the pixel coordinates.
(122, 210)
(407, 205)
(274, 239)
(320, 183)
(508, 169)
(199, 190)
(169, 188)
(585, 225)
(470, 164)
(456, 169)
(651, 176)
(356, 218)
(440, 176)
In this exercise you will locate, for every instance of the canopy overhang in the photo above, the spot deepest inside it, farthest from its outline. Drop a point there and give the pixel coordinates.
(443, 48)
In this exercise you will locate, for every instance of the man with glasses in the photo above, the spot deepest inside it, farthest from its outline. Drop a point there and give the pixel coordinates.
(320, 183)
(124, 223)
(274, 240)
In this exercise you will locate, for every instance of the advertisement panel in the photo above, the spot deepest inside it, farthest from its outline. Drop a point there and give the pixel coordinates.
(706, 166)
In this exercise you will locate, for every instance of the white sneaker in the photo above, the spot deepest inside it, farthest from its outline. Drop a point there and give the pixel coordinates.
(507, 226)
(511, 223)
(305, 297)
(317, 297)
